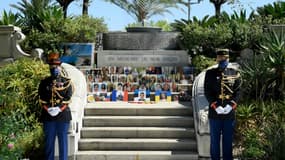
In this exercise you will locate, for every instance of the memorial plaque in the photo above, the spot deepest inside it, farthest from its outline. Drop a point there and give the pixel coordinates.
(142, 58)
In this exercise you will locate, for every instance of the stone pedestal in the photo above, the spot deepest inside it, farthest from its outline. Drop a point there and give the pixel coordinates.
(143, 29)
(10, 37)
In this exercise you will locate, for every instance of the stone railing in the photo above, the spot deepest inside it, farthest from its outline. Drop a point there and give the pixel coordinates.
(77, 105)
(10, 37)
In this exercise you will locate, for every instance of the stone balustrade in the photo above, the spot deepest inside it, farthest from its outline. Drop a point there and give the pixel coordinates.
(10, 37)
(77, 105)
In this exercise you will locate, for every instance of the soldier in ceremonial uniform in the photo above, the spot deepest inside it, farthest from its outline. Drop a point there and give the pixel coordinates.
(222, 92)
(55, 93)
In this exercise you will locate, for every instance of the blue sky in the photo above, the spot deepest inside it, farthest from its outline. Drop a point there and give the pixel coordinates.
(117, 19)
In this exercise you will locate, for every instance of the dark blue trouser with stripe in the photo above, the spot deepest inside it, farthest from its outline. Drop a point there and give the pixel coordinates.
(51, 130)
(224, 128)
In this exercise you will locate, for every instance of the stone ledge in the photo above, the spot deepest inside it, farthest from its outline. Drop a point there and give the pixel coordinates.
(141, 41)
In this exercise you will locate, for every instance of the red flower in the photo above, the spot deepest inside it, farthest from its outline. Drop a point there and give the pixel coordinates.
(10, 146)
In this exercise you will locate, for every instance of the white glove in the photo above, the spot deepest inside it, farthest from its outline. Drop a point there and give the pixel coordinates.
(228, 109)
(220, 110)
(54, 111)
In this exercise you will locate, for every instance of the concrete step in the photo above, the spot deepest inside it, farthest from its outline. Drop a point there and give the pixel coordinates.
(137, 144)
(129, 131)
(137, 132)
(131, 109)
(138, 121)
(136, 155)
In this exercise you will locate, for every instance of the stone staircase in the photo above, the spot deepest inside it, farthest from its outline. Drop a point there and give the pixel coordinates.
(128, 131)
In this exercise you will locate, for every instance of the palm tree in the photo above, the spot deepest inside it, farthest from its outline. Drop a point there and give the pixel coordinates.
(32, 12)
(218, 4)
(85, 7)
(188, 4)
(142, 10)
(64, 4)
(277, 10)
(9, 18)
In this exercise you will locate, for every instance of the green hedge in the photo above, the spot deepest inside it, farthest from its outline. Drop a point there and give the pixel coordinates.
(21, 132)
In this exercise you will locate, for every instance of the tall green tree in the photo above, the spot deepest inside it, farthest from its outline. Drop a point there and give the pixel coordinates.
(142, 10)
(34, 13)
(276, 10)
(43, 22)
(188, 4)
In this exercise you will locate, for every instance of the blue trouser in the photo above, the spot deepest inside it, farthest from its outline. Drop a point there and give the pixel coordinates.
(226, 129)
(51, 130)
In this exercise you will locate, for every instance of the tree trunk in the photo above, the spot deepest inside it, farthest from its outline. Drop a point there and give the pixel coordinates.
(217, 10)
(64, 8)
(218, 4)
(85, 7)
(189, 8)
(64, 4)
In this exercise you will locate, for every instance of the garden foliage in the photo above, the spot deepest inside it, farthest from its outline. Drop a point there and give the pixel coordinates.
(21, 132)
(260, 114)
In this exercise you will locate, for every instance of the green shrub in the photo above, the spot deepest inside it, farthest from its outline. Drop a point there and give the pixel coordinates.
(261, 130)
(200, 39)
(244, 35)
(49, 41)
(263, 75)
(83, 29)
(233, 32)
(21, 132)
(202, 62)
(256, 77)
(20, 82)
(32, 142)
(253, 145)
